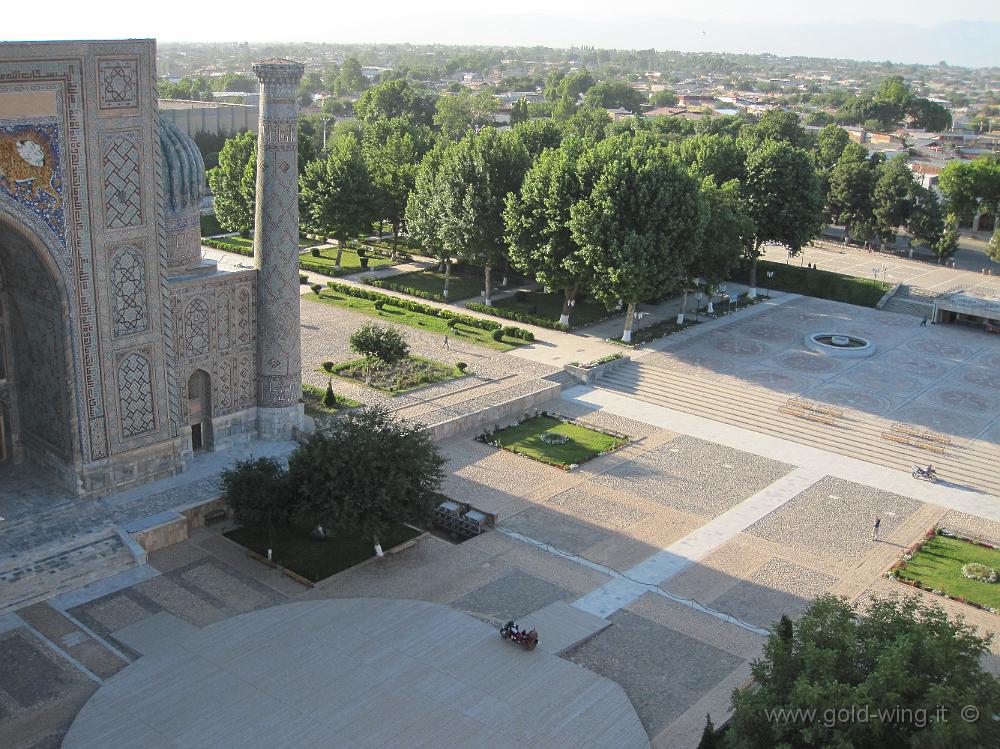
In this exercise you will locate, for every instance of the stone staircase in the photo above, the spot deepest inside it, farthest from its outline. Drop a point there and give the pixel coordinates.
(909, 300)
(858, 435)
(563, 378)
(51, 569)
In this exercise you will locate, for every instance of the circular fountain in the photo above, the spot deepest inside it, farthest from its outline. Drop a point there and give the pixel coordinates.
(839, 344)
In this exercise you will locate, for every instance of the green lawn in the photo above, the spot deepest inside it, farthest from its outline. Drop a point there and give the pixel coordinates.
(316, 559)
(412, 373)
(822, 284)
(466, 281)
(549, 307)
(349, 262)
(312, 396)
(459, 335)
(938, 566)
(584, 444)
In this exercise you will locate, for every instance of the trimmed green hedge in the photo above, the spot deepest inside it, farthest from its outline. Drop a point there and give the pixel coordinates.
(522, 317)
(426, 309)
(222, 244)
(210, 225)
(388, 283)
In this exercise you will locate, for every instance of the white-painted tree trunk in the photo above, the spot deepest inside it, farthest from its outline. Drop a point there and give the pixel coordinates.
(488, 301)
(629, 322)
(684, 304)
(378, 550)
(447, 276)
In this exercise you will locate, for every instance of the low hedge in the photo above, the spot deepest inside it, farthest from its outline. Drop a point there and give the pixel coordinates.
(388, 283)
(222, 244)
(522, 317)
(426, 309)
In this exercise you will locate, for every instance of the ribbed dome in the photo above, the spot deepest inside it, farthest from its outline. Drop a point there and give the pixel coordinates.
(183, 168)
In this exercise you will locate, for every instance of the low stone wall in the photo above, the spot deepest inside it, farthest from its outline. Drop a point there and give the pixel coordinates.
(590, 375)
(887, 296)
(158, 531)
(493, 414)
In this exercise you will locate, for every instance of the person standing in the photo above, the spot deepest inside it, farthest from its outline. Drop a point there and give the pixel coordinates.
(923, 323)
(875, 527)
(446, 346)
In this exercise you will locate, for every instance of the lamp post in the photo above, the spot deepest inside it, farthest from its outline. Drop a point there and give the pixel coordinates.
(770, 275)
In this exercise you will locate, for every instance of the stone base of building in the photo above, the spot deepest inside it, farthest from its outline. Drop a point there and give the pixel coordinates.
(131, 469)
(280, 423)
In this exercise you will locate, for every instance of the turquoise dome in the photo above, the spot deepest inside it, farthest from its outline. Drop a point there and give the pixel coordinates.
(183, 169)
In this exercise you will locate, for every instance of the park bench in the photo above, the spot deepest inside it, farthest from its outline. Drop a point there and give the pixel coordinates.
(921, 434)
(912, 441)
(400, 547)
(817, 407)
(803, 414)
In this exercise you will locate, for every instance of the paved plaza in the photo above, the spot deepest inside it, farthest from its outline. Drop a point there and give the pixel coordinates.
(688, 543)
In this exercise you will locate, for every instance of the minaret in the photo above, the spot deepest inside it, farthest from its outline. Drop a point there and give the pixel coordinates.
(276, 252)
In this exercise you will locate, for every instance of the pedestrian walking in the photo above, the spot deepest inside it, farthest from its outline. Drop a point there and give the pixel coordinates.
(878, 522)
(923, 323)
(446, 346)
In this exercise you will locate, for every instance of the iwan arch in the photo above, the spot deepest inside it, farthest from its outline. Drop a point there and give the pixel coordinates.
(123, 351)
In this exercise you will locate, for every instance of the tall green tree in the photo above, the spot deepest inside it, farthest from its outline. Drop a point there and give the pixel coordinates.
(722, 241)
(461, 113)
(379, 345)
(776, 124)
(972, 187)
(852, 187)
(396, 98)
(365, 472)
(894, 667)
(927, 218)
(894, 197)
(234, 183)
(589, 123)
(475, 178)
(716, 156)
(519, 112)
(640, 225)
(538, 134)
(538, 224)
(830, 144)
(425, 212)
(393, 149)
(337, 193)
(258, 494)
(781, 195)
(993, 249)
(611, 94)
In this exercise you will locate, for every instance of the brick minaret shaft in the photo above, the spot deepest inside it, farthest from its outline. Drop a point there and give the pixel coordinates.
(276, 251)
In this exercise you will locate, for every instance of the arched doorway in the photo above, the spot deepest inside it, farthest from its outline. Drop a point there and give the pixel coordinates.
(37, 407)
(200, 410)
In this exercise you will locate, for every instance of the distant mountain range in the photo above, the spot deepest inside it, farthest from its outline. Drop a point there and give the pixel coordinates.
(966, 43)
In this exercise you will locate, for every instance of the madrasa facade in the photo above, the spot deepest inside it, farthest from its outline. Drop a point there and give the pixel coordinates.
(122, 350)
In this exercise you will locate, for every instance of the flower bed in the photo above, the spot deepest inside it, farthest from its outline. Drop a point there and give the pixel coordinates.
(940, 564)
(409, 374)
(554, 440)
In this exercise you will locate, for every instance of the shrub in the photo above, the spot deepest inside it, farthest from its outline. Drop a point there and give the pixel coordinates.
(521, 295)
(497, 335)
(314, 252)
(316, 288)
(379, 304)
(328, 366)
(329, 399)
(303, 279)
(453, 322)
(510, 330)
(381, 343)
(462, 366)
(517, 315)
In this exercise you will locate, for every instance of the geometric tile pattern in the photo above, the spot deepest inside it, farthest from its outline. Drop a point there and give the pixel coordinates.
(128, 293)
(118, 83)
(135, 393)
(122, 177)
(196, 332)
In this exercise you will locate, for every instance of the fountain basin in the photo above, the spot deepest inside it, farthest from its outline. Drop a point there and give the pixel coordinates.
(840, 345)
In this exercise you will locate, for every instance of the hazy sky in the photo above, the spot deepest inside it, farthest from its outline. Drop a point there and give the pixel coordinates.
(449, 21)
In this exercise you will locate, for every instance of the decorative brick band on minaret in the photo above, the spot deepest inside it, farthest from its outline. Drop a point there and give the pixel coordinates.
(276, 251)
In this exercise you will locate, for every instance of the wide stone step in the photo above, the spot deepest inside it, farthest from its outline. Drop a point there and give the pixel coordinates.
(744, 406)
(909, 307)
(49, 570)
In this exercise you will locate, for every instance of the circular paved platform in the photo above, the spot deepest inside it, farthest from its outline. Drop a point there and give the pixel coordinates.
(354, 672)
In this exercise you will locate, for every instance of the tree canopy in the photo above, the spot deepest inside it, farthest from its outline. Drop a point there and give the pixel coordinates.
(461, 113)
(907, 668)
(234, 183)
(336, 193)
(611, 94)
(640, 225)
